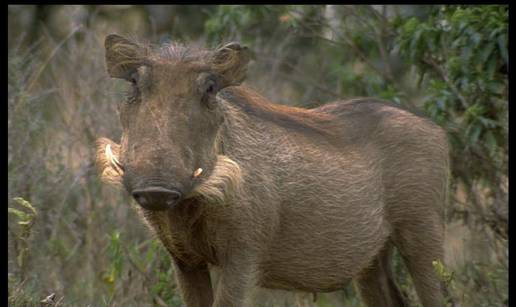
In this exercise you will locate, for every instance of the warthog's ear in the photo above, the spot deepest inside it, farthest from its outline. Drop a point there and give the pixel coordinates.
(123, 56)
(231, 62)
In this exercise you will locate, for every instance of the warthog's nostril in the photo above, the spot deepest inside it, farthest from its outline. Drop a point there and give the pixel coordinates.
(173, 198)
(140, 199)
(156, 198)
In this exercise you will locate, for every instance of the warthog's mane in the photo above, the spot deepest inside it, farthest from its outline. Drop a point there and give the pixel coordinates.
(231, 65)
(138, 53)
(180, 52)
(305, 121)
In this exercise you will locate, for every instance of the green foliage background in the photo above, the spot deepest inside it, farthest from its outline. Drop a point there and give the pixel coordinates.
(73, 241)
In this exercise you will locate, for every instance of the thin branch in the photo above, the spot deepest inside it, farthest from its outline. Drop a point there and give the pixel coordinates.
(134, 265)
(361, 55)
(49, 58)
(148, 280)
(380, 37)
(306, 79)
(348, 43)
(444, 75)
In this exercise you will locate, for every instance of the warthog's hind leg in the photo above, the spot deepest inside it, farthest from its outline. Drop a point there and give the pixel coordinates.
(376, 284)
(420, 242)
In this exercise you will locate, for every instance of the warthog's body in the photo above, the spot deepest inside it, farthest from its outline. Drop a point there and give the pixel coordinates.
(290, 198)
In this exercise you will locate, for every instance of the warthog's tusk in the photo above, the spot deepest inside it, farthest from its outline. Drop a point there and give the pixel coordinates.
(197, 172)
(111, 157)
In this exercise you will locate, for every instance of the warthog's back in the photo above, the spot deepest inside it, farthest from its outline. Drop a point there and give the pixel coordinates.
(413, 150)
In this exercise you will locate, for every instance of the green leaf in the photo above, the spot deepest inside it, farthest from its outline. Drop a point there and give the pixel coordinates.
(25, 203)
(491, 142)
(410, 26)
(442, 271)
(441, 104)
(487, 122)
(495, 33)
(475, 134)
(495, 87)
(454, 65)
(475, 110)
(20, 214)
(502, 45)
(491, 67)
(476, 38)
(466, 53)
(485, 52)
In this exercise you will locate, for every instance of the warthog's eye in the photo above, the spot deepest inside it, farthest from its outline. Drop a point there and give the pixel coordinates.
(134, 78)
(210, 91)
(210, 87)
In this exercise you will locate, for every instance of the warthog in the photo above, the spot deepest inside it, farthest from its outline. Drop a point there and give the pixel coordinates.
(270, 195)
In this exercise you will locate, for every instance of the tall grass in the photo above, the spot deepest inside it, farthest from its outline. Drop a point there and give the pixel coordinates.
(85, 245)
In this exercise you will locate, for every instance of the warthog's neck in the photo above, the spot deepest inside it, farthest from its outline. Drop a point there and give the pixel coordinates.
(183, 231)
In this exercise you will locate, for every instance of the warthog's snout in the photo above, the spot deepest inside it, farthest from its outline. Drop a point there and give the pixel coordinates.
(156, 198)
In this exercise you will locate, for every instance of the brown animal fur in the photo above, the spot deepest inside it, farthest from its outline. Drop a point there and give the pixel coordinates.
(288, 198)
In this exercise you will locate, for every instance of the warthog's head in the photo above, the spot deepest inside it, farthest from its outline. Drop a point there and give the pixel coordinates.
(170, 147)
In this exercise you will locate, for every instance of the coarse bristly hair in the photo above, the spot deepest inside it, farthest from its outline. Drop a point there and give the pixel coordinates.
(224, 182)
(229, 60)
(179, 51)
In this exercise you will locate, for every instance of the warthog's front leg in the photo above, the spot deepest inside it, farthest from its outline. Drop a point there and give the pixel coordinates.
(236, 283)
(195, 285)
